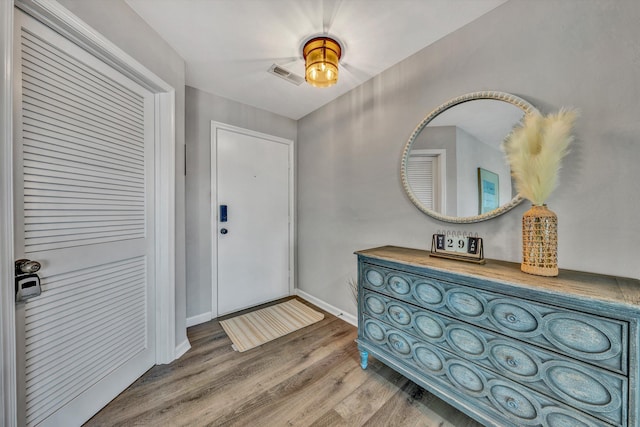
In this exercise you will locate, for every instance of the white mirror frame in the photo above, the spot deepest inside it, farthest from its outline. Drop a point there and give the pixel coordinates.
(525, 106)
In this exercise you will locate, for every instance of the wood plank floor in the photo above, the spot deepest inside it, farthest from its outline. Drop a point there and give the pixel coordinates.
(310, 377)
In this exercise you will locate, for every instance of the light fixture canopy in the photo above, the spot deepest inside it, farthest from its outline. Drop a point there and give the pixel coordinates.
(321, 55)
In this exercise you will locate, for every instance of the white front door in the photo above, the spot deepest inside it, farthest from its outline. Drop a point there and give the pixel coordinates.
(83, 186)
(251, 175)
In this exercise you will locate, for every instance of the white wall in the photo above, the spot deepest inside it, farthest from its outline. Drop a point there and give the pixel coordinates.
(581, 53)
(116, 21)
(201, 109)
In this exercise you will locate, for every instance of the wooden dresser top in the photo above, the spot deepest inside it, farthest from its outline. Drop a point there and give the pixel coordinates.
(585, 285)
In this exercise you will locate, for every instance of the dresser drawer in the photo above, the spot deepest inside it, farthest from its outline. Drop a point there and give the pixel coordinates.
(595, 340)
(443, 371)
(598, 392)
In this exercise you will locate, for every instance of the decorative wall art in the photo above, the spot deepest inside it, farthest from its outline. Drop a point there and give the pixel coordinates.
(488, 191)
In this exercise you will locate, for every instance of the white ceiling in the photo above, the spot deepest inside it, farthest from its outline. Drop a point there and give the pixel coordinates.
(228, 45)
(488, 120)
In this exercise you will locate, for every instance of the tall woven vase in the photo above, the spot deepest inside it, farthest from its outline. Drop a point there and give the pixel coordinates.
(540, 241)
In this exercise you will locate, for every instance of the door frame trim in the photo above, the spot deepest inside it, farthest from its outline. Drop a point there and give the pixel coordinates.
(214, 205)
(54, 15)
(8, 382)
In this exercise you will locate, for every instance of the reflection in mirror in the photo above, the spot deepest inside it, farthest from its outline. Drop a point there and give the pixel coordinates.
(453, 167)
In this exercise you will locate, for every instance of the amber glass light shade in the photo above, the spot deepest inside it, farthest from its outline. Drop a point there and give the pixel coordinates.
(321, 56)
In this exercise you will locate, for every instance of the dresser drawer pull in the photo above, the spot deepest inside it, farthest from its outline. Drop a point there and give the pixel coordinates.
(515, 318)
(399, 315)
(511, 318)
(400, 346)
(512, 362)
(512, 403)
(399, 285)
(399, 343)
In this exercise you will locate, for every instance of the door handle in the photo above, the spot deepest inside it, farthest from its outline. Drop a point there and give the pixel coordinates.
(223, 231)
(27, 281)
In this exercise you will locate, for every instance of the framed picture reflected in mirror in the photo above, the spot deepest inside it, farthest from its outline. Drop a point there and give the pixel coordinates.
(488, 191)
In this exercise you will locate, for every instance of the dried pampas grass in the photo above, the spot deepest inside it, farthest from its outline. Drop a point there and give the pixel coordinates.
(535, 150)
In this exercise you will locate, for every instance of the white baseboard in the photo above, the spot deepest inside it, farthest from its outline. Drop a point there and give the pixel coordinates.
(182, 348)
(347, 317)
(200, 318)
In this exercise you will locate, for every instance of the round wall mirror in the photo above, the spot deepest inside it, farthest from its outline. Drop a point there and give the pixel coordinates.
(453, 167)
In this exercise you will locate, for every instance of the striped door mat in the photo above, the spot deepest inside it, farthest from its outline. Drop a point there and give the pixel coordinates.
(258, 327)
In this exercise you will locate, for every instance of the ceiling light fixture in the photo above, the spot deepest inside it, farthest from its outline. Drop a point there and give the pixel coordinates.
(321, 56)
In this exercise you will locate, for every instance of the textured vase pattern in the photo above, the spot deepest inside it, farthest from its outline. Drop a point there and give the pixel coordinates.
(540, 241)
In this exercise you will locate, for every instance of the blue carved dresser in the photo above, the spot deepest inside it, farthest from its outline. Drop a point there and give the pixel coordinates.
(506, 348)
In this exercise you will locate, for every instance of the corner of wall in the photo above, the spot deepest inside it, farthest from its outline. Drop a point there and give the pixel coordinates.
(340, 314)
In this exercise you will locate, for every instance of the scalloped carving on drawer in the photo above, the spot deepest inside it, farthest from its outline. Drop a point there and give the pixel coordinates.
(599, 341)
(481, 387)
(596, 391)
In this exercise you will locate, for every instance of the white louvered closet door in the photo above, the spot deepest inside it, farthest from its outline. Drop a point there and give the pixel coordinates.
(84, 198)
(421, 171)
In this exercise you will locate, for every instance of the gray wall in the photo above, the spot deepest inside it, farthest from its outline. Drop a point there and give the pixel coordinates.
(201, 109)
(468, 150)
(471, 155)
(116, 21)
(581, 53)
